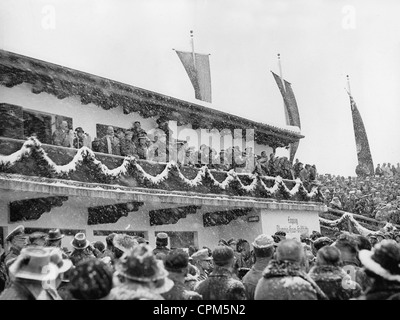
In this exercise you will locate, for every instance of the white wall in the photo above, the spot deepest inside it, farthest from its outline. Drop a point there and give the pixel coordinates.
(87, 116)
(293, 223)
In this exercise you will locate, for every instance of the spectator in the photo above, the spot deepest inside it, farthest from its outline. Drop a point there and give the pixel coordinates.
(220, 285)
(36, 239)
(348, 246)
(142, 147)
(284, 278)
(203, 262)
(29, 282)
(109, 251)
(297, 167)
(379, 171)
(128, 147)
(110, 143)
(17, 240)
(140, 276)
(157, 150)
(262, 164)
(176, 263)
(81, 139)
(54, 238)
(161, 244)
(331, 278)
(80, 252)
(383, 265)
(61, 136)
(91, 280)
(123, 243)
(263, 250)
(137, 132)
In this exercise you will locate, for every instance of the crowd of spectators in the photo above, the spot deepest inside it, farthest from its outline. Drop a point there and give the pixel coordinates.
(136, 142)
(273, 267)
(375, 196)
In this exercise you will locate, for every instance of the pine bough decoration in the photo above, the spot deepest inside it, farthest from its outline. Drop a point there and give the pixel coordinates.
(130, 166)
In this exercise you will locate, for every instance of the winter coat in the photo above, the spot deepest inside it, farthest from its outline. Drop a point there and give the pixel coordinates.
(80, 255)
(283, 280)
(61, 138)
(115, 145)
(250, 280)
(220, 285)
(382, 290)
(332, 281)
(357, 274)
(24, 290)
(126, 292)
(179, 291)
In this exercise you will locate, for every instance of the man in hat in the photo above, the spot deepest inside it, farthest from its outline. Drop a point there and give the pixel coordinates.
(123, 243)
(285, 279)
(109, 251)
(264, 250)
(220, 285)
(382, 264)
(33, 276)
(81, 250)
(177, 263)
(81, 139)
(348, 245)
(54, 238)
(140, 276)
(37, 239)
(128, 147)
(17, 240)
(91, 280)
(161, 245)
(331, 278)
(203, 262)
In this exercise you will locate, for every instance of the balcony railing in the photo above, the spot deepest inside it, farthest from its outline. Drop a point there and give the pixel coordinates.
(31, 158)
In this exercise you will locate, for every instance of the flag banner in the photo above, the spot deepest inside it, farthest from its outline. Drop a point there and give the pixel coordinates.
(363, 152)
(198, 70)
(290, 101)
(291, 110)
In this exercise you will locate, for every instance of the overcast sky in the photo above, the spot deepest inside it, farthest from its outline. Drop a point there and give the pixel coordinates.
(320, 42)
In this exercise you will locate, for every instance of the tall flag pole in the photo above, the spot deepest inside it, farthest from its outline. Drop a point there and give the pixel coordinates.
(362, 146)
(348, 84)
(197, 67)
(193, 54)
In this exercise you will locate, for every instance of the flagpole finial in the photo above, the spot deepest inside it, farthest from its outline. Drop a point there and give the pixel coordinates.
(191, 33)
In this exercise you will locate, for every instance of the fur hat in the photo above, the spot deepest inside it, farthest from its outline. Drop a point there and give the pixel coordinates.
(37, 239)
(124, 242)
(141, 266)
(91, 280)
(290, 250)
(222, 255)
(176, 260)
(263, 241)
(383, 260)
(321, 242)
(328, 255)
(162, 239)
